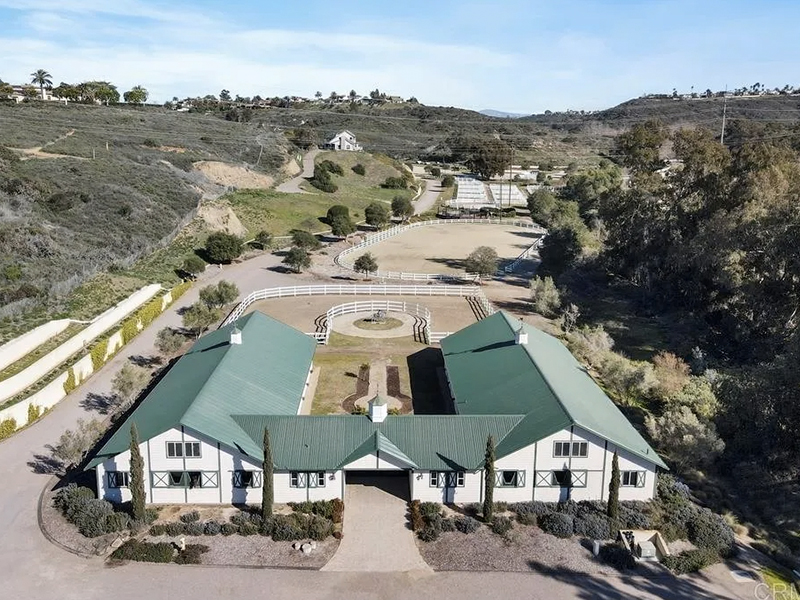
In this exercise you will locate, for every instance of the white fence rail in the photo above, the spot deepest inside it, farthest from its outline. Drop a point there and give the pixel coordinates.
(354, 290)
(525, 254)
(373, 306)
(379, 236)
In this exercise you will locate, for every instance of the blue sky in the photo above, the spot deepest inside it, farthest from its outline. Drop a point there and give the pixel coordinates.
(520, 56)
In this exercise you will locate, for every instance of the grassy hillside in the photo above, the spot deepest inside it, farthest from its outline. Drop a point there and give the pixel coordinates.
(86, 190)
(279, 213)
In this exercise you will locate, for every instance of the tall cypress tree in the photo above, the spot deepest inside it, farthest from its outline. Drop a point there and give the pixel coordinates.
(267, 484)
(488, 483)
(137, 477)
(613, 494)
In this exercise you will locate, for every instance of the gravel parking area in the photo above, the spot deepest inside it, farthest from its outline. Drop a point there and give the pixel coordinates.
(526, 548)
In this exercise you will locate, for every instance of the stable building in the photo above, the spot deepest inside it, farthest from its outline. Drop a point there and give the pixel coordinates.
(344, 140)
(202, 425)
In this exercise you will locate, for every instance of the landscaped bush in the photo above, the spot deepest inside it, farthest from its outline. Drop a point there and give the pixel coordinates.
(322, 508)
(212, 528)
(175, 529)
(690, 561)
(359, 169)
(533, 508)
(558, 524)
(338, 510)
(194, 528)
(617, 556)
(594, 526)
(415, 516)
(192, 555)
(116, 521)
(429, 509)
(502, 525)
(319, 528)
(448, 525)
(249, 528)
(34, 412)
(157, 530)
(473, 509)
(190, 517)
(467, 524)
(568, 507)
(710, 531)
(286, 529)
(634, 515)
(500, 507)
(7, 427)
(228, 529)
(429, 533)
(160, 552)
(90, 517)
(527, 519)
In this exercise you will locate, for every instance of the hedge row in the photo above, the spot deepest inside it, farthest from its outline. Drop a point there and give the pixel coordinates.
(160, 552)
(7, 427)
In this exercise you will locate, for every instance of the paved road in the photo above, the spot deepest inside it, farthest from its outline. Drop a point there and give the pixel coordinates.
(34, 569)
(427, 200)
(293, 185)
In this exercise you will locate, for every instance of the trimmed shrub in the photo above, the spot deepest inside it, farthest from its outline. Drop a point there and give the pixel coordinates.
(337, 514)
(473, 509)
(71, 383)
(448, 525)
(710, 531)
(502, 525)
(429, 509)
(175, 529)
(194, 528)
(34, 412)
(179, 290)
(211, 528)
(116, 522)
(634, 515)
(190, 517)
(91, 517)
(690, 561)
(527, 519)
(322, 508)
(98, 353)
(228, 529)
(533, 508)
(160, 552)
(568, 507)
(249, 528)
(415, 516)
(617, 556)
(285, 529)
(558, 524)
(467, 524)
(150, 515)
(69, 499)
(319, 528)
(429, 533)
(594, 526)
(157, 530)
(500, 507)
(192, 555)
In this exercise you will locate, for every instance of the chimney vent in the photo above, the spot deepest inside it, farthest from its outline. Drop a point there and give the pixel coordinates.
(378, 410)
(236, 336)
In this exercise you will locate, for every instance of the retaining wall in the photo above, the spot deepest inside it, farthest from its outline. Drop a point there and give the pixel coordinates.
(23, 345)
(24, 379)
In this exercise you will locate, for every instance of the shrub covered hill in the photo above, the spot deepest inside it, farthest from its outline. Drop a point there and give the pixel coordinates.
(88, 188)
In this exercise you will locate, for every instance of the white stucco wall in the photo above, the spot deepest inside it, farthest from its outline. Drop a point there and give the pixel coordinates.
(24, 379)
(26, 343)
(215, 458)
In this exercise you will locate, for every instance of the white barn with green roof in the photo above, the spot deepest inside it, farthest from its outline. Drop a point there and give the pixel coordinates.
(201, 426)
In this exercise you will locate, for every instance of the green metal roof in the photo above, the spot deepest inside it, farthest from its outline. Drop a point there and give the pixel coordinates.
(434, 442)
(491, 374)
(215, 379)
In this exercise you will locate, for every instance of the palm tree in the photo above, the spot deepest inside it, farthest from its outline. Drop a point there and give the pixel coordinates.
(41, 78)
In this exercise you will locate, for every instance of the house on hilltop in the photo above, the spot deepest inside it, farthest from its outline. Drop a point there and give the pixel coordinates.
(343, 140)
(201, 427)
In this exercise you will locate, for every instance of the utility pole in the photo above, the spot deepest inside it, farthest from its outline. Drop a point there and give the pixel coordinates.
(724, 114)
(510, 178)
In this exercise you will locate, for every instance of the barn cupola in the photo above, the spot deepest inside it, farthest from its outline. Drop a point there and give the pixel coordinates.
(236, 336)
(378, 409)
(521, 336)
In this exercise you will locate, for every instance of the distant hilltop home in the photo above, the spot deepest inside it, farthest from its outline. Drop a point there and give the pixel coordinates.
(201, 426)
(343, 140)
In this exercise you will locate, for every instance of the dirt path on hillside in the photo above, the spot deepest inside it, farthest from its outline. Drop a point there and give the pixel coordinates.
(292, 186)
(37, 152)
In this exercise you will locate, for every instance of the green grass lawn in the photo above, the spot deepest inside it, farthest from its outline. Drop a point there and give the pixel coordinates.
(337, 380)
(279, 213)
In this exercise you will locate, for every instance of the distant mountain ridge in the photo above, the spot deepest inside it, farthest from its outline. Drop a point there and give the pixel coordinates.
(501, 114)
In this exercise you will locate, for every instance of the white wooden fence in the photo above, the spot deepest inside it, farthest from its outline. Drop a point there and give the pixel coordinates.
(322, 337)
(379, 236)
(525, 254)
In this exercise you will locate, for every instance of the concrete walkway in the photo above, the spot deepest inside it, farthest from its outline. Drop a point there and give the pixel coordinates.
(375, 536)
(292, 186)
(427, 200)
